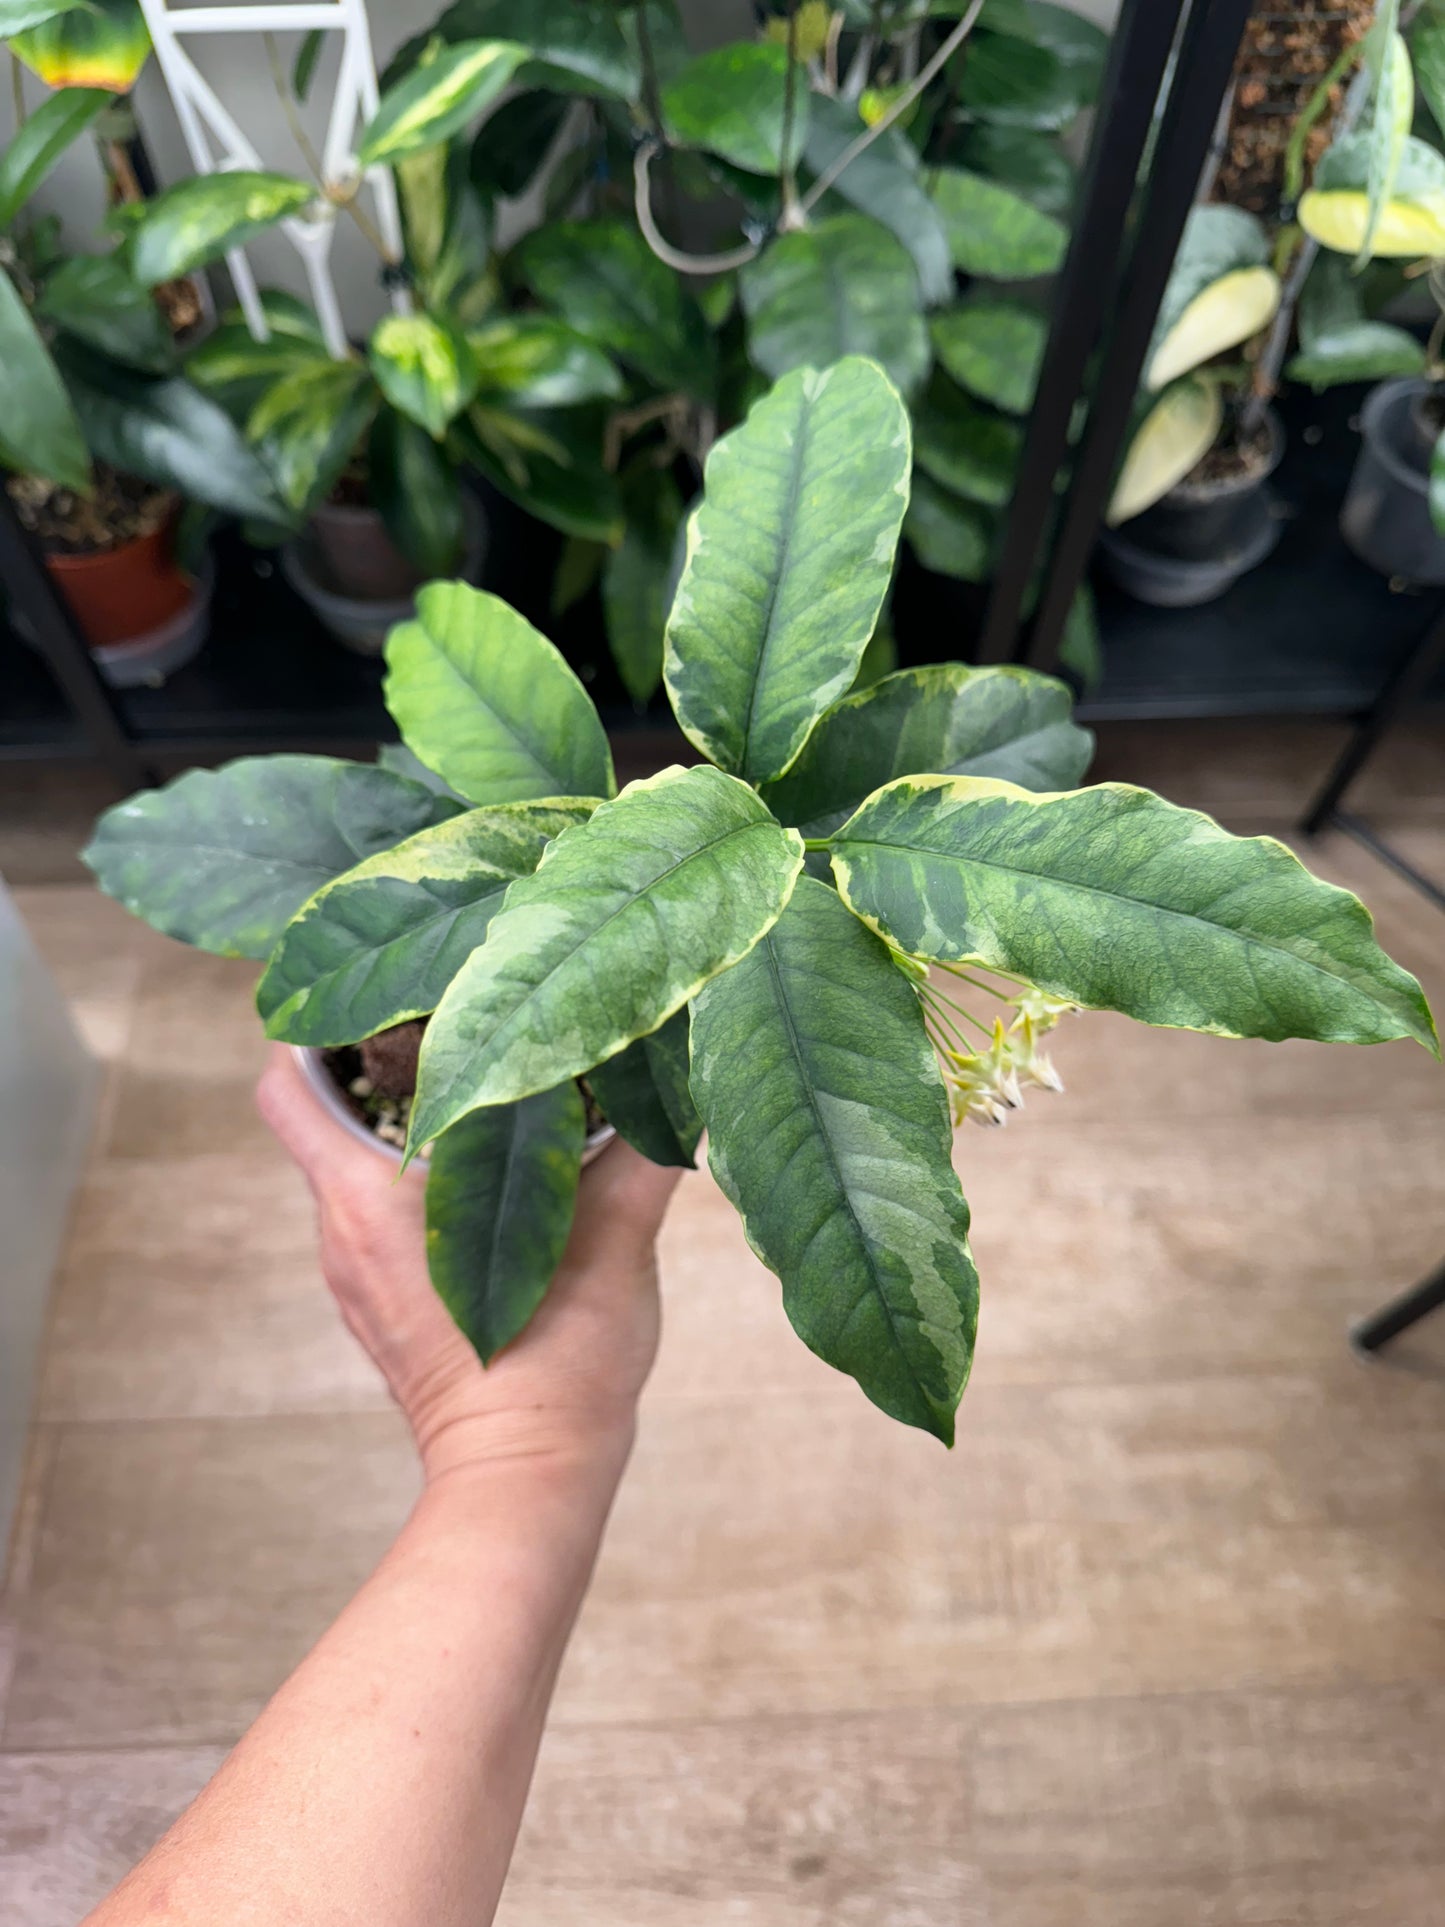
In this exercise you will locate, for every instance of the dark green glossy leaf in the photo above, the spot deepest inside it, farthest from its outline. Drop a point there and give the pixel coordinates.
(196, 221)
(603, 280)
(789, 559)
(307, 55)
(223, 859)
(947, 719)
(380, 944)
(828, 1128)
(993, 231)
(637, 577)
(500, 1193)
(402, 762)
(883, 182)
(506, 154)
(309, 425)
(969, 450)
(490, 705)
(17, 16)
(949, 536)
(416, 489)
(644, 1095)
(448, 225)
(423, 367)
(39, 433)
(993, 349)
(573, 43)
(38, 144)
(437, 98)
(167, 432)
(1337, 342)
(95, 297)
(1080, 45)
(626, 918)
(842, 287)
(562, 482)
(541, 363)
(1119, 901)
(733, 102)
(1031, 163)
(1018, 83)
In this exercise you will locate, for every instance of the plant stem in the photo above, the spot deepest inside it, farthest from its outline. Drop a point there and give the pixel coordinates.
(17, 90)
(787, 175)
(817, 843)
(905, 100)
(651, 233)
(289, 109)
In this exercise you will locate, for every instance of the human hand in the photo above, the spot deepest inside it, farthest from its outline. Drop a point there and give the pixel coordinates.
(567, 1389)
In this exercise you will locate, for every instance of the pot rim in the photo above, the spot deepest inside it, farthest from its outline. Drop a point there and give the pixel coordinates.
(87, 559)
(296, 567)
(311, 1062)
(1203, 494)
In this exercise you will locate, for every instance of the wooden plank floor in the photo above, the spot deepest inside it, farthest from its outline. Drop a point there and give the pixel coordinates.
(1161, 1644)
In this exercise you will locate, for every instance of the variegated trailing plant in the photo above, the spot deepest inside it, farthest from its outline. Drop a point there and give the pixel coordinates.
(749, 944)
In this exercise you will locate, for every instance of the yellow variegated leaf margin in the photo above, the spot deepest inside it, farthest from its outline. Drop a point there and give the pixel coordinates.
(626, 917)
(424, 368)
(437, 98)
(381, 943)
(828, 1128)
(1175, 435)
(1115, 899)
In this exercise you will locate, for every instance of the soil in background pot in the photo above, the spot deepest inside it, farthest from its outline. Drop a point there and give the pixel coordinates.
(109, 552)
(377, 1078)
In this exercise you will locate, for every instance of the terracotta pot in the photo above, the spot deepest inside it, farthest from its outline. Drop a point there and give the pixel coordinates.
(120, 594)
(358, 557)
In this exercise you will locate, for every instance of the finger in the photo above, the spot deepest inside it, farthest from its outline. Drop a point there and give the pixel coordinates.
(622, 1191)
(327, 1153)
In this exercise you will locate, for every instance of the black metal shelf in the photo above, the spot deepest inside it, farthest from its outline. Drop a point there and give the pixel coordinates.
(1311, 632)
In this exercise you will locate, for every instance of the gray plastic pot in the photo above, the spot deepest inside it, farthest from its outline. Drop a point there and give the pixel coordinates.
(323, 1086)
(1386, 516)
(359, 623)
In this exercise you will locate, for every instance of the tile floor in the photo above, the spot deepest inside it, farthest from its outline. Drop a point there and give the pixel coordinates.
(1162, 1644)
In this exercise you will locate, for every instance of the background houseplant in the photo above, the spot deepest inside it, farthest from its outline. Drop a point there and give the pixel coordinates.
(667, 944)
(102, 433)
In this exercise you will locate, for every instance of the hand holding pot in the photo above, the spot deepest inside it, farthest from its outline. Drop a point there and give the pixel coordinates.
(567, 1389)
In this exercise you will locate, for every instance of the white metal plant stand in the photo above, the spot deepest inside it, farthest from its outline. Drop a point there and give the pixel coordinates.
(217, 144)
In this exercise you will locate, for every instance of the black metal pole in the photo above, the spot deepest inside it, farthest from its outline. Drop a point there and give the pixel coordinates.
(1138, 58)
(1408, 680)
(1407, 1310)
(1202, 67)
(37, 601)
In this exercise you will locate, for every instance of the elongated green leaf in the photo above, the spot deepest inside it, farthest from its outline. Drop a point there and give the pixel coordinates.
(1031, 163)
(883, 182)
(625, 919)
(95, 297)
(644, 1095)
(579, 44)
(828, 1129)
(303, 72)
(995, 232)
(1427, 56)
(949, 536)
(732, 102)
(1120, 901)
(380, 943)
(437, 99)
(1393, 110)
(98, 43)
(500, 1194)
(541, 363)
(416, 488)
(309, 425)
(562, 483)
(842, 287)
(238, 370)
(637, 577)
(993, 349)
(947, 719)
(36, 146)
(788, 563)
(17, 16)
(1337, 342)
(223, 859)
(969, 450)
(603, 280)
(489, 704)
(39, 434)
(423, 367)
(198, 220)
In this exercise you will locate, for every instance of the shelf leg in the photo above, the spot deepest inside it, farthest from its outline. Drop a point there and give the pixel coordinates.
(1409, 679)
(1407, 1310)
(66, 653)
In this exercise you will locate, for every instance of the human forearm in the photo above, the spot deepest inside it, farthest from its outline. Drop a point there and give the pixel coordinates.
(385, 1781)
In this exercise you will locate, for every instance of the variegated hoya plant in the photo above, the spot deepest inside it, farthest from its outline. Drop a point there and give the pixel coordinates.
(859, 909)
